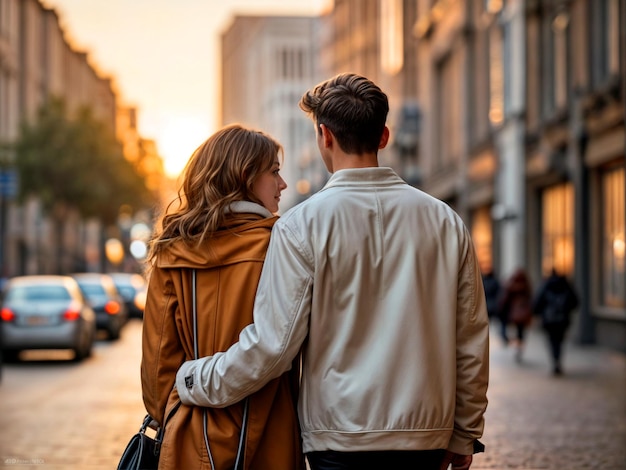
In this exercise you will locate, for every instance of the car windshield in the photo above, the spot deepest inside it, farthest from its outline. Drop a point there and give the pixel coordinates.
(38, 293)
(92, 289)
(126, 291)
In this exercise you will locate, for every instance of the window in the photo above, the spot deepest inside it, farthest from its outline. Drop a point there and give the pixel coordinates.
(560, 32)
(605, 40)
(479, 96)
(556, 63)
(482, 235)
(291, 63)
(449, 123)
(558, 229)
(496, 76)
(613, 239)
(392, 47)
(494, 6)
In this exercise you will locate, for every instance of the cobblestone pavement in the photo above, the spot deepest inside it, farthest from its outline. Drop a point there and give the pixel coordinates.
(66, 416)
(537, 421)
(59, 415)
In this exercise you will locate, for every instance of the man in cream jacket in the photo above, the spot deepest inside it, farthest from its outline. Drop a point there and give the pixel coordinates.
(377, 284)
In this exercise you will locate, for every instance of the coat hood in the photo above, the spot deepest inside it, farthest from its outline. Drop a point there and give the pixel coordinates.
(226, 246)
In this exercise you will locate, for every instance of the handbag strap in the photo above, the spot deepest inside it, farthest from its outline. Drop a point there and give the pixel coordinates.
(244, 425)
(161, 429)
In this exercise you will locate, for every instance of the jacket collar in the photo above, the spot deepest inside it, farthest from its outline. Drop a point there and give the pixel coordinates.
(247, 207)
(384, 176)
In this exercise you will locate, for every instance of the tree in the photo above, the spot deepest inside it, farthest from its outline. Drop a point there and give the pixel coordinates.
(76, 163)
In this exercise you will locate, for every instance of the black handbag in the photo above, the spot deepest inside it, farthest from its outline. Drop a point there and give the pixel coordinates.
(142, 452)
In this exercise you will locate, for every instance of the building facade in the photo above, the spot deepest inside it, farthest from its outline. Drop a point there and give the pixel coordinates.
(375, 39)
(575, 155)
(268, 62)
(523, 134)
(37, 63)
(510, 111)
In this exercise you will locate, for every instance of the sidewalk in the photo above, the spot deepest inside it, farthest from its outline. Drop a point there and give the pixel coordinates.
(537, 421)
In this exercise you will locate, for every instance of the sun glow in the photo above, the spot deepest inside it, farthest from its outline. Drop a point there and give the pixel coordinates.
(179, 136)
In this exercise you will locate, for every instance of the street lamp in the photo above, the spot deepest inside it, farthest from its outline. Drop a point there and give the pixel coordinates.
(114, 251)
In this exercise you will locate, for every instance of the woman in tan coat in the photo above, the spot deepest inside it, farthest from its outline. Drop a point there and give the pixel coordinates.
(220, 230)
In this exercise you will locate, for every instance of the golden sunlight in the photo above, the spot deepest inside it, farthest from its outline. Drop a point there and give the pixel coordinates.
(179, 136)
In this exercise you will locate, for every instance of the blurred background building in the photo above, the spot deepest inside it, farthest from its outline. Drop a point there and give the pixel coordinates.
(510, 111)
(267, 63)
(38, 64)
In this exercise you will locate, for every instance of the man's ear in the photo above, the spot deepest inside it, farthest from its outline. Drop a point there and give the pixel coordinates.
(327, 136)
(384, 139)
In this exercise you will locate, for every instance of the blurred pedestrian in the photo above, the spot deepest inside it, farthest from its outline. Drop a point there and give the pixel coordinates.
(516, 308)
(221, 229)
(554, 303)
(379, 284)
(492, 287)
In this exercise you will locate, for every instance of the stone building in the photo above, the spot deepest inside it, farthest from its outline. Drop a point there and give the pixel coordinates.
(267, 64)
(523, 134)
(575, 152)
(512, 112)
(38, 63)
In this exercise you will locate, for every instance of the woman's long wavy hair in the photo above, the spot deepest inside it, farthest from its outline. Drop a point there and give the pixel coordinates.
(220, 172)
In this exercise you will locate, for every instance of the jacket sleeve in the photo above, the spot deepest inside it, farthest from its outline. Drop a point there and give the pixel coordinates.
(162, 351)
(267, 347)
(472, 351)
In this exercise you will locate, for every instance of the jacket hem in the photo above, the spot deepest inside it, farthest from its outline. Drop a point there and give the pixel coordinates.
(314, 441)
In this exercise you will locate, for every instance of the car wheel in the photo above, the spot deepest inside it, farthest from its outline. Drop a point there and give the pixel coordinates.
(10, 355)
(83, 351)
(114, 332)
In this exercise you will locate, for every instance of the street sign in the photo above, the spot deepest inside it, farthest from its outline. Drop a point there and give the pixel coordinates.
(8, 183)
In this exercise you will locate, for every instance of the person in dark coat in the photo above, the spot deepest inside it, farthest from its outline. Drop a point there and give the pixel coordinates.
(515, 307)
(492, 289)
(554, 303)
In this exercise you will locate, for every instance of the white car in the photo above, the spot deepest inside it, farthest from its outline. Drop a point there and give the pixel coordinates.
(45, 312)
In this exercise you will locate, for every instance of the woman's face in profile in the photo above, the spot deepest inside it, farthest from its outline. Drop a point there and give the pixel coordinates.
(268, 186)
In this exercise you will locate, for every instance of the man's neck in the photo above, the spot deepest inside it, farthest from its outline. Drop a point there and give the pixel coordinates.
(345, 161)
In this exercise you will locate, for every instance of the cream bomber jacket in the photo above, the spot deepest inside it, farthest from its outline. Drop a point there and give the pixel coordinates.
(378, 284)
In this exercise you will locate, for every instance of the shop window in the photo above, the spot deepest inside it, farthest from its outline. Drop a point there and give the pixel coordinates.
(613, 239)
(482, 235)
(558, 229)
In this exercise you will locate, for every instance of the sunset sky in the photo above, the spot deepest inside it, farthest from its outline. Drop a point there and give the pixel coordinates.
(164, 57)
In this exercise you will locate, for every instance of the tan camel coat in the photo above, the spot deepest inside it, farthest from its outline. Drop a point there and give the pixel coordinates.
(228, 266)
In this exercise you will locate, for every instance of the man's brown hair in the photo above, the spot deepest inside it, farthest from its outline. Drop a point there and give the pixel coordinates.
(352, 107)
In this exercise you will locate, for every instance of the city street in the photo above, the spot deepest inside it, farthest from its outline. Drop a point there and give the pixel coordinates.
(56, 414)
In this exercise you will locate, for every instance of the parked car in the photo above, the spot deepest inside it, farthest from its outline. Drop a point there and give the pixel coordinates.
(132, 287)
(45, 312)
(100, 291)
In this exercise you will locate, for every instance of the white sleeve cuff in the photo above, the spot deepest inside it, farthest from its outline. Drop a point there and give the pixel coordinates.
(188, 384)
